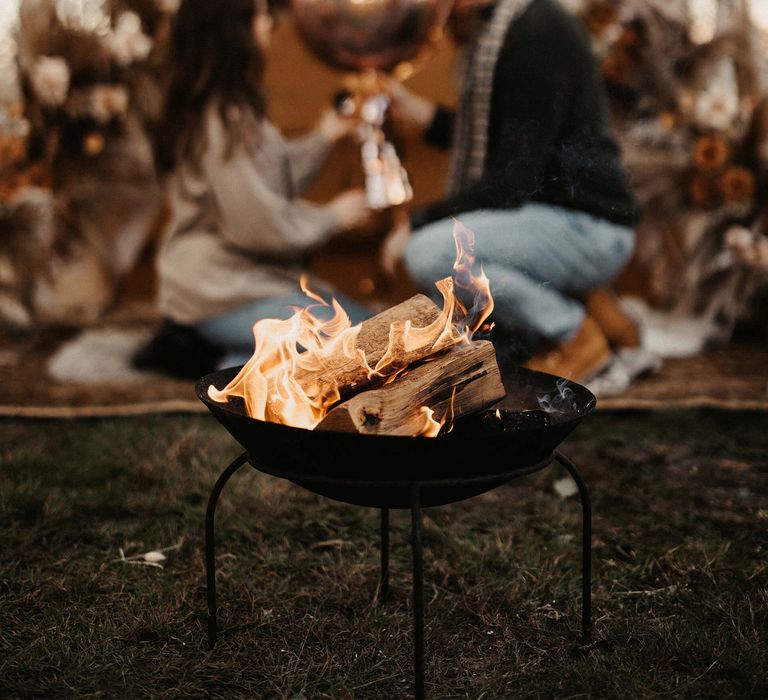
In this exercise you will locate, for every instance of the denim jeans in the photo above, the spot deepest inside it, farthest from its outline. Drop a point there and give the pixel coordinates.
(538, 258)
(233, 331)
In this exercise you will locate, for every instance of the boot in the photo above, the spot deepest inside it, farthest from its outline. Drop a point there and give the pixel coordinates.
(179, 351)
(579, 358)
(621, 330)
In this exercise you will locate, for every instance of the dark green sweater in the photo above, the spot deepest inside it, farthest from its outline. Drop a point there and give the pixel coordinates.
(548, 135)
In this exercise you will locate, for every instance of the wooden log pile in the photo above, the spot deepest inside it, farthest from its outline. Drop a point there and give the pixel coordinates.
(423, 391)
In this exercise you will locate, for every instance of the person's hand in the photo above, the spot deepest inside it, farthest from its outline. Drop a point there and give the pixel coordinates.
(350, 208)
(393, 247)
(408, 104)
(335, 127)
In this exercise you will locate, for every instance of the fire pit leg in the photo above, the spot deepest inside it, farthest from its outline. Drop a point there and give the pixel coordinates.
(384, 580)
(586, 548)
(418, 595)
(210, 545)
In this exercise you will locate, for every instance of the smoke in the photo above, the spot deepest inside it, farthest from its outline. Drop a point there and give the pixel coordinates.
(562, 401)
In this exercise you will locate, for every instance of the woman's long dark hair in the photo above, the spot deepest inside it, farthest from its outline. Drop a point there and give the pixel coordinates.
(214, 59)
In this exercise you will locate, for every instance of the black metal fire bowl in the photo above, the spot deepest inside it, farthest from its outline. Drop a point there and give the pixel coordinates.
(481, 453)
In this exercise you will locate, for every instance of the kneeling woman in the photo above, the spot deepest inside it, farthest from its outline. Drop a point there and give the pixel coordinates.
(238, 233)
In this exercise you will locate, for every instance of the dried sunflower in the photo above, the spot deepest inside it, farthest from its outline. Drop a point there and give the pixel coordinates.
(737, 185)
(710, 153)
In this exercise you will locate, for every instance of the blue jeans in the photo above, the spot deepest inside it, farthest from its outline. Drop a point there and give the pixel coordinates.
(537, 257)
(233, 331)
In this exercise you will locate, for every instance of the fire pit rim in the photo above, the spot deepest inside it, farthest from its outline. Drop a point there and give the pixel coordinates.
(343, 466)
(589, 404)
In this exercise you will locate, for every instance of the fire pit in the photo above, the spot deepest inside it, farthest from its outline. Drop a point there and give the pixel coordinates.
(390, 471)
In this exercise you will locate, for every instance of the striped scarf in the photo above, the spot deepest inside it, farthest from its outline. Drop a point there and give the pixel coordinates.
(472, 117)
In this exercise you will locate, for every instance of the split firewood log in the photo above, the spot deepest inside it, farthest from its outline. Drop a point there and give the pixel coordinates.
(373, 340)
(462, 380)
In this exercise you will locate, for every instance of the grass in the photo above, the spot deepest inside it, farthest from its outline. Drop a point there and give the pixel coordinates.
(680, 573)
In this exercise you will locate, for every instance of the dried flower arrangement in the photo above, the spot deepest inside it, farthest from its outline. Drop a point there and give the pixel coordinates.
(693, 123)
(91, 97)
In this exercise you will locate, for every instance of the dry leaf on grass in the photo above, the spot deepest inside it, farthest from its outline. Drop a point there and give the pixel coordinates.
(565, 487)
(151, 558)
(329, 544)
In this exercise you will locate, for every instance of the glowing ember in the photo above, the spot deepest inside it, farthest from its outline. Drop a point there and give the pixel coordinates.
(279, 383)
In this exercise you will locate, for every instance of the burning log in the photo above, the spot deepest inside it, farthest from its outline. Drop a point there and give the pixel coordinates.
(303, 366)
(462, 380)
(349, 374)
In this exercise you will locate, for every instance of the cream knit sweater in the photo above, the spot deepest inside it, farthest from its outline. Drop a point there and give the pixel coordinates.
(238, 231)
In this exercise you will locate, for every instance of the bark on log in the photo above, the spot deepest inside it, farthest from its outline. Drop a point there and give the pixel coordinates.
(350, 376)
(396, 409)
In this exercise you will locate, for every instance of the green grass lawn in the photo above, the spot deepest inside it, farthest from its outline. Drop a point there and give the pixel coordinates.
(680, 572)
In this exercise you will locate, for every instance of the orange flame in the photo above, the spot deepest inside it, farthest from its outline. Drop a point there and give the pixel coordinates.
(431, 427)
(478, 286)
(305, 344)
(452, 410)
(267, 383)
